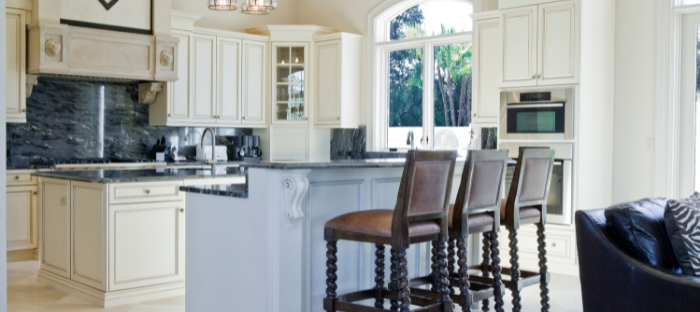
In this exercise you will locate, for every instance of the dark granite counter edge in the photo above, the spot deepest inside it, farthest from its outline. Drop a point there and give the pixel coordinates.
(294, 166)
(127, 180)
(199, 189)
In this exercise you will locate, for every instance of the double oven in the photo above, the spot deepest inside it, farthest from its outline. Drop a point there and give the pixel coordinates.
(543, 118)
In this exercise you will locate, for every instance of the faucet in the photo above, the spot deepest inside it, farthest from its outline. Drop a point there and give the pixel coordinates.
(409, 140)
(211, 161)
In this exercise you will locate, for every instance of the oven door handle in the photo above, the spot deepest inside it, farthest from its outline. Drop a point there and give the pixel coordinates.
(521, 106)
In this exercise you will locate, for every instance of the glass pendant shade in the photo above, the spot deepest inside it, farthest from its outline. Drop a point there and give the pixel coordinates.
(223, 5)
(257, 7)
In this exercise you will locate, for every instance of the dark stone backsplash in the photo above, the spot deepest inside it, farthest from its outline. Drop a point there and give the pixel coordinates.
(73, 120)
(348, 143)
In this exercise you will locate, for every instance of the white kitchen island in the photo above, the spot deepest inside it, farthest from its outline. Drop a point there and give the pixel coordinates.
(260, 247)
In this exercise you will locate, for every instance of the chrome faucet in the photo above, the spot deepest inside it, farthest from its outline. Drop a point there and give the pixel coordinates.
(211, 161)
(409, 140)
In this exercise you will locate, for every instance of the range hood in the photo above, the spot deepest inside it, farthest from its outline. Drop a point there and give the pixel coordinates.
(55, 48)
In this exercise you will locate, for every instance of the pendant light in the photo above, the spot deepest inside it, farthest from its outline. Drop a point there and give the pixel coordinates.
(257, 7)
(223, 5)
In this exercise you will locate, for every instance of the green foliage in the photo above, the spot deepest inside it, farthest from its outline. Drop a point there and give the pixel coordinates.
(452, 99)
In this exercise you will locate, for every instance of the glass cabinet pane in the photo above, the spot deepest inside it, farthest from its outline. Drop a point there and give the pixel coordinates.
(298, 55)
(289, 84)
(283, 55)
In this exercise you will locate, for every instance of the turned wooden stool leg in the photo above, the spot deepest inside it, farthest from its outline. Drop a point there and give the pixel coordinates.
(332, 268)
(402, 276)
(514, 269)
(485, 264)
(451, 259)
(379, 275)
(544, 291)
(434, 266)
(393, 278)
(443, 281)
(496, 271)
(463, 274)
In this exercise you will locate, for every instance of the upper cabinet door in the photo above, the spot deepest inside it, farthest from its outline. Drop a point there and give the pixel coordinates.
(15, 49)
(179, 104)
(253, 82)
(485, 70)
(519, 46)
(204, 58)
(229, 82)
(558, 59)
(328, 78)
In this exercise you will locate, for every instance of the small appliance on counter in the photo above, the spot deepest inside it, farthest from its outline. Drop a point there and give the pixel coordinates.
(204, 153)
(244, 148)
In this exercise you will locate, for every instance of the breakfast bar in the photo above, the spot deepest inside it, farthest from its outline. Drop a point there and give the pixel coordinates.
(261, 247)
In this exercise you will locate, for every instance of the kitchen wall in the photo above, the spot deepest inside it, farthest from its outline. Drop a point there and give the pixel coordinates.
(84, 120)
(635, 100)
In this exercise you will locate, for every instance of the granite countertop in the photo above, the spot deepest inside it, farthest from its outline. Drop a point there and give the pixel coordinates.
(226, 190)
(333, 164)
(189, 163)
(126, 176)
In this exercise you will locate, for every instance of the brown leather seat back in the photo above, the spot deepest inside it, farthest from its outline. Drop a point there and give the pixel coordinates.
(424, 192)
(481, 186)
(531, 180)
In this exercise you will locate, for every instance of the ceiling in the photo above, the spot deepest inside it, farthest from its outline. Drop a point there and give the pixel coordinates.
(286, 13)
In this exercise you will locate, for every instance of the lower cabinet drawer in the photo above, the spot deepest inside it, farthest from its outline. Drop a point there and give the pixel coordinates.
(560, 244)
(20, 178)
(145, 192)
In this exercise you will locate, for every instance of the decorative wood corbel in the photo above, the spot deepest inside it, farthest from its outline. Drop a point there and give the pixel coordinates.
(148, 92)
(295, 188)
(32, 80)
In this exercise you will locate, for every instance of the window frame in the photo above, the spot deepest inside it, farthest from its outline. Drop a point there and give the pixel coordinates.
(381, 47)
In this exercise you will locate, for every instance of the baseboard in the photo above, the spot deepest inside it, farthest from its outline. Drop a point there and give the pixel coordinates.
(111, 299)
(21, 255)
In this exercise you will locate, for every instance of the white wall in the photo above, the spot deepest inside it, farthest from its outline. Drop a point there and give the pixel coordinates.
(3, 239)
(286, 13)
(635, 100)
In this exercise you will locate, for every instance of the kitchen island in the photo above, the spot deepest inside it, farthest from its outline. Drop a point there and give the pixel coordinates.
(114, 237)
(260, 247)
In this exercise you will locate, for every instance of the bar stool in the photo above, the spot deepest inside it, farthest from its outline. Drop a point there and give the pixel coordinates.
(478, 205)
(527, 204)
(420, 216)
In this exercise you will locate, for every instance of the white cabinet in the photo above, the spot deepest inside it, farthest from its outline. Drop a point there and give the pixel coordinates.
(21, 217)
(108, 238)
(16, 65)
(204, 78)
(486, 100)
(540, 44)
(254, 82)
(222, 82)
(337, 80)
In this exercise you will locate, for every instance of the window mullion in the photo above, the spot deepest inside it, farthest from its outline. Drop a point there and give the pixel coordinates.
(428, 109)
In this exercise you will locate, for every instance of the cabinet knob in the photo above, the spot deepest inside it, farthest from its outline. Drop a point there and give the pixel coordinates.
(148, 191)
(338, 118)
(474, 114)
(554, 244)
(534, 76)
(168, 115)
(182, 209)
(24, 110)
(35, 193)
(306, 118)
(243, 117)
(16, 177)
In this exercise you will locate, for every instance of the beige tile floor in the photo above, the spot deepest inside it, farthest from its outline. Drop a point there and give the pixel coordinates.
(25, 294)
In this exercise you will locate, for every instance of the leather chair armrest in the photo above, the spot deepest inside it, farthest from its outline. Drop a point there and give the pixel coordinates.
(613, 280)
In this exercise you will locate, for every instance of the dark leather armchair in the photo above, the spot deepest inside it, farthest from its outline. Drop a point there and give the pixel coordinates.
(615, 278)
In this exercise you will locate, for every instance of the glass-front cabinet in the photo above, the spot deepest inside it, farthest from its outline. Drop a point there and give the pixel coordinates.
(289, 80)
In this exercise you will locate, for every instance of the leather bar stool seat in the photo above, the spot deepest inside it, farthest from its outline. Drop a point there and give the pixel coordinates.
(475, 220)
(377, 224)
(528, 215)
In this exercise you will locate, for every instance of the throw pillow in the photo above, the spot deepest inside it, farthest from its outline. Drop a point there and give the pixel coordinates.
(682, 218)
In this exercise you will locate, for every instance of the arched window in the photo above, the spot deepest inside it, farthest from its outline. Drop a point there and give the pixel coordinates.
(414, 40)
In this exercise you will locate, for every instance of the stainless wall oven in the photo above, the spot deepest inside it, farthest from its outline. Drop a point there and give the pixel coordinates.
(537, 115)
(560, 200)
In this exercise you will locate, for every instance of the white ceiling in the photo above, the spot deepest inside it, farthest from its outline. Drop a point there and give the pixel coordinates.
(286, 13)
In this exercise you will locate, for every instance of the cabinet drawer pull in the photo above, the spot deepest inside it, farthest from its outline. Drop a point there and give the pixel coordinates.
(16, 177)
(35, 193)
(554, 244)
(182, 209)
(148, 191)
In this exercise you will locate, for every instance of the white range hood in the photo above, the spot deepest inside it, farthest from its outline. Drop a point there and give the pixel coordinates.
(55, 48)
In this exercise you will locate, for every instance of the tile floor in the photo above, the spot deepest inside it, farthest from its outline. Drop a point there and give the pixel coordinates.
(25, 294)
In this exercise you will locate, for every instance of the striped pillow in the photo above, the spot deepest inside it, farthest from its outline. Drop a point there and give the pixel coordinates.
(682, 218)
